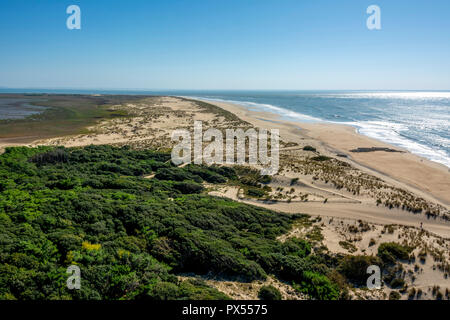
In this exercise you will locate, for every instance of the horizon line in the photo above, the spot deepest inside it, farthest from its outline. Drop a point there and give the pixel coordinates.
(216, 89)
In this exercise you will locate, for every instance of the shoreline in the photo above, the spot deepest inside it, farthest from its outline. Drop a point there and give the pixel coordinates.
(428, 179)
(424, 177)
(287, 115)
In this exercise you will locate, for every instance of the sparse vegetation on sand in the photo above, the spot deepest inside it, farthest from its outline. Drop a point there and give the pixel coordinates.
(343, 176)
(394, 253)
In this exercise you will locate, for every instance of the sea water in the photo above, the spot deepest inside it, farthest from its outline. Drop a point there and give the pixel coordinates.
(414, 120)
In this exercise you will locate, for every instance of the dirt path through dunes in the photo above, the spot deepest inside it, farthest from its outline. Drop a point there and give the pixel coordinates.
(366, 212)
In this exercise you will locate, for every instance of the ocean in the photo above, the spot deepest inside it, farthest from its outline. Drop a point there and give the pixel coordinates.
(417, 121)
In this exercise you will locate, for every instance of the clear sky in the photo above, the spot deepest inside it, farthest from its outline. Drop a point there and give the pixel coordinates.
(225, 44)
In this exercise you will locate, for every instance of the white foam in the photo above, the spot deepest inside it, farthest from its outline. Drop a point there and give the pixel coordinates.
(288, 114)
(417, 95)
(390, 132)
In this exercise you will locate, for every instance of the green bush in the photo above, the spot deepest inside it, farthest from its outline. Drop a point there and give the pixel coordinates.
(255, 192)
(269, 293)
(318, 286)
(176, 174)
(321, 158)
(390, 252)
(394, 295)
(397, 283)
(207, 174)
(188, 187)
(250, 177)
(354, 268)
(297, 247)
(309, 148)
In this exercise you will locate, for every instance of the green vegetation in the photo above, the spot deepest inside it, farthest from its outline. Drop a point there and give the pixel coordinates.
(65, 115)
(397, 283)
(394, 295)
(390, 252)
(350, 247)
(131, 236)
(250, 177)
(269, 293)
(255, 192)
(210, 108)
(412, 293)
(250, 180)
(354, 268)
(309, 148)
(318, 286)
(321, 158)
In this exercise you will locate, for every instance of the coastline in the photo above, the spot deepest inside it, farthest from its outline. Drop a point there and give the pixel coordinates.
(342, 215)
(426, 178)
(153, 120)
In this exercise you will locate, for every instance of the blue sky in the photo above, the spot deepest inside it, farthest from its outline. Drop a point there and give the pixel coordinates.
(225, 44)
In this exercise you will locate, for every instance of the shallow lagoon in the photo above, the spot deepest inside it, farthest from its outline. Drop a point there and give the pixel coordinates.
(12, 109)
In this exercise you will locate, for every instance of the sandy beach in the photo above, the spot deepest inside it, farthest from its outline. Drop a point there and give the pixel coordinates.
(429, 179)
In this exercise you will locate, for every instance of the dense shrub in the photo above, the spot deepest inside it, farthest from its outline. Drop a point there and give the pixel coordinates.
(321, 158)
(251, 177)
(188, 187)
(58, 155)
(269, 293)
(390, 252)
(319, 286)
(297, 247)
(397, 283)
(255, 192)
(206, 174)
(354, 268)
(130, 236)
(309, 148)
(394, 295)
(176, 174)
